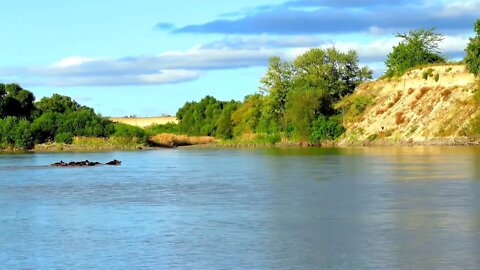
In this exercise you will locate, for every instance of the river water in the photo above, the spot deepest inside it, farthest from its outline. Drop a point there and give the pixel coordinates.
(194, 208)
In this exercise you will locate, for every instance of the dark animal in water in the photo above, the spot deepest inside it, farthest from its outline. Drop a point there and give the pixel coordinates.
(85, 163)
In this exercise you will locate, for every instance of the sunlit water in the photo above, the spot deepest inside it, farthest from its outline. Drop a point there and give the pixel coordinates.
(366, 208)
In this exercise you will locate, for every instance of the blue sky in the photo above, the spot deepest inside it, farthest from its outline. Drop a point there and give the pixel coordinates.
(148, 57)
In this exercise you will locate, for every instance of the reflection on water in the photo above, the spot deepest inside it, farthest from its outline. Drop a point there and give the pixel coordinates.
(352, 208)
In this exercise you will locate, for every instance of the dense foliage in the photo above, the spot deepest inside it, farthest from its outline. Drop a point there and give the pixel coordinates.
(15, 101)
(208, 117)
(472, 58)
(58, 118)
(417, 47)
(293, 96)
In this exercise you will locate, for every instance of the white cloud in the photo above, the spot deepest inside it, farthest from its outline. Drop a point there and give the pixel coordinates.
(180, 66)
(163, 77)
(460, 8)
(72, 61)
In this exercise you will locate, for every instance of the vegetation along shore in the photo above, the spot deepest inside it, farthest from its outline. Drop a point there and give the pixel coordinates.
(322, 97)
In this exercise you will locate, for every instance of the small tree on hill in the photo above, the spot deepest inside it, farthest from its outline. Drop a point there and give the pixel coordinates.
(472, 58)
(417, 47)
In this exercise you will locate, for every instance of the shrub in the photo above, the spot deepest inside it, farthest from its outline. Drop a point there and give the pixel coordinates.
(437, 77)
(326, 128)
(127, 131)
(15, 133)
(171, 128)
(64, 137)
(427, 73)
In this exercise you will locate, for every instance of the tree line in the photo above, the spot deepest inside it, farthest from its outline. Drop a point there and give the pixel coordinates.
(24, 122)
(296, 99)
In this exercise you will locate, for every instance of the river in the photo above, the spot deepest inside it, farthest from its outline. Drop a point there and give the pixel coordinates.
(196, 208)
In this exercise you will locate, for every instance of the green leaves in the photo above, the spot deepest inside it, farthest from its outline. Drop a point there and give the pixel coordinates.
(416, 47)
(472, 57)
(15, 133)
(326, 128)
(15, 101)
(208, 117)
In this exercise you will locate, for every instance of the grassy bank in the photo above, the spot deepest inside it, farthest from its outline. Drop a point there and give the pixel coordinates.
(92, 144)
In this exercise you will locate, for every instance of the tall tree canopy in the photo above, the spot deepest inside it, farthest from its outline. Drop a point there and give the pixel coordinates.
(16, 101)
(416, 47)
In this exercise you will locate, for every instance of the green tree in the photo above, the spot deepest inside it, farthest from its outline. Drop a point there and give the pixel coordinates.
(331, 70)
(303, 107)
(275, 86)
(57, 103)
(45, 127)
(247, 117)
(472, 58)
(224, 123)
(15, 132)
(16, 101)
(417, 47)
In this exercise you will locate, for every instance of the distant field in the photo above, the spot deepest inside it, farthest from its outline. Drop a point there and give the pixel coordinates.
(145, 121)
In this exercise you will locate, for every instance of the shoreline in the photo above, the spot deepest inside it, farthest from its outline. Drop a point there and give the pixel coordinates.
(52, 148)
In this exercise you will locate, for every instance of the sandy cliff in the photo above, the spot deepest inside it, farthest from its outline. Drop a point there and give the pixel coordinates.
(425, 104)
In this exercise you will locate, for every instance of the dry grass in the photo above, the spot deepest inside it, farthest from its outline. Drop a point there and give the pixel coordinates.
(145, 121)
(112, 142)
(446, 94)
(422, 93)
(392, 103)
(380, 111)
(172, 140)
(399, 118)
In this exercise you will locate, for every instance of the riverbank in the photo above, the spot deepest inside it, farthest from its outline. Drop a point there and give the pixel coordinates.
(183, 141)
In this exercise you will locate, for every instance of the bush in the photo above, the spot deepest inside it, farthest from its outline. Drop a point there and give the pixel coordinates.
(15, 133)
(127, 131)
(64, 138)
(171, 128)
(265, 138)
(427, 73)
(326, 128)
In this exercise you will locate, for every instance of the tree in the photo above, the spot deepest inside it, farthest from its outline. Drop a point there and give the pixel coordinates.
(57, 103)
(303, 107)
(16, 101)
(472, 58)
(15, 133)
(417, 47)
(275, 86)
(224, 123)
(246, 118)
(330, 70)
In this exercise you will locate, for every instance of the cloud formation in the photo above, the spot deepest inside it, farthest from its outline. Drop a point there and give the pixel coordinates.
(348, 3)
(345, 16)
(166, 68)
(181, 66)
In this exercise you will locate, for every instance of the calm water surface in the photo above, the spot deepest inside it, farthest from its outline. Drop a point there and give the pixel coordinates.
(366, 208)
